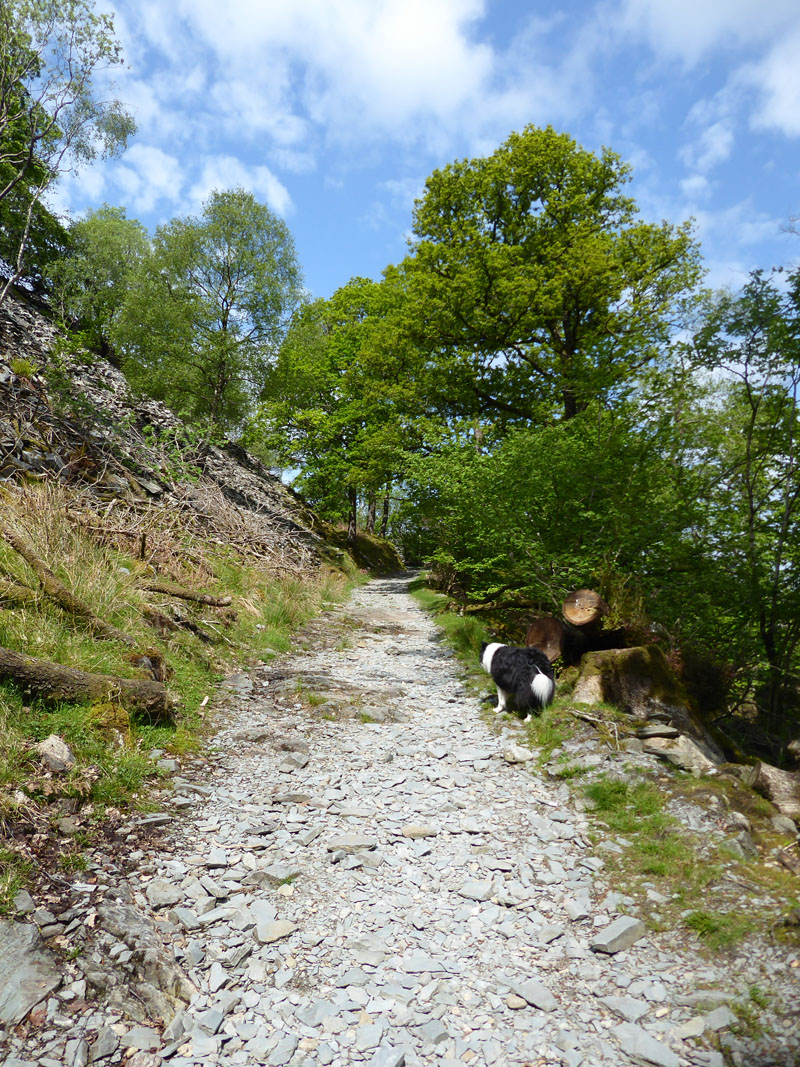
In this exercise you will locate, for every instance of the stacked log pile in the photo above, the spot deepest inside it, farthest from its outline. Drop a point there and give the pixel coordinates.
(579, 631)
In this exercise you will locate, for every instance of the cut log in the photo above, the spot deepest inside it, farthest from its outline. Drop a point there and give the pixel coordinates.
(55, 683)
(547, 634)
(584, 607)
(58, 592)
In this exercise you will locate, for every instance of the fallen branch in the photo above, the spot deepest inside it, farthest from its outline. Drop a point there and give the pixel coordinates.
(55, 683)
(57, 591)
(16, 593)
(187, 594)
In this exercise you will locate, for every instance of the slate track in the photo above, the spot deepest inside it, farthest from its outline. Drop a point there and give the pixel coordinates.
(438, 903)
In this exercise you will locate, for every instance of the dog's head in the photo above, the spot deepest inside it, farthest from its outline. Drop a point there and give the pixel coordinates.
(484, 645)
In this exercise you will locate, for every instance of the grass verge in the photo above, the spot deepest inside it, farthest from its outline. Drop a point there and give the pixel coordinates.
(116, 753)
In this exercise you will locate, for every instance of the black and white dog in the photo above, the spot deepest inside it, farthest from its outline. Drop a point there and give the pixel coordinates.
(523, 675)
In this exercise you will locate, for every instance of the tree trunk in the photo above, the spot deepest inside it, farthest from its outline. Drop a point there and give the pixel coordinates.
(57, 591)
(14, 593)
(371, 508)
(385, 514)
(55, 683)
(781, 787)
(556, 638)
(352, 527)
(584, 608)
(187, 594)
(547, 634)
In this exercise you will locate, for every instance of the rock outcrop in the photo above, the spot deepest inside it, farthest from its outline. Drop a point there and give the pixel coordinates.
(73, 416)
(640, 682)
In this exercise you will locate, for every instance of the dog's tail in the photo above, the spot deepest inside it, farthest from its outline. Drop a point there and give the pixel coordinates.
(539, 693)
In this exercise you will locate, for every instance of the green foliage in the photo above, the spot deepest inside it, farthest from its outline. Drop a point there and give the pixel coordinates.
(206, 309)
(719, 930)
(336, 404)
(532, 284)
(749, 458)
(89, 285)
(51, 118)
(545, 511)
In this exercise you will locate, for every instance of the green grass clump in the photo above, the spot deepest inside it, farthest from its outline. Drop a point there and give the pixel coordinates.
(717, 929)
(463, 633)
(14, 873)
(657, 850)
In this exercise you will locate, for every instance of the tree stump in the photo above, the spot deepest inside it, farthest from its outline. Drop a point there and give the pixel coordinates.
(584, 608)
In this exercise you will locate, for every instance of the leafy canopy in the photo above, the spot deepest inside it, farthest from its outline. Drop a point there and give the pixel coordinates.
(207, 308)
(532, 283)
(52, 119)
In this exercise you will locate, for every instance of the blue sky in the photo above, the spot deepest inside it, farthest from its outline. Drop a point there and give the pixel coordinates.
(335, 111)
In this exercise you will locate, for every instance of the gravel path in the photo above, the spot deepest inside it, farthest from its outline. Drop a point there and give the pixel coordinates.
(353, 892)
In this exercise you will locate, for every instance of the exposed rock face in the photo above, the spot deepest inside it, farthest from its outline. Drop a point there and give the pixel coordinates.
(28, 971)
(92, 432)
(640, 682)
(781, 787)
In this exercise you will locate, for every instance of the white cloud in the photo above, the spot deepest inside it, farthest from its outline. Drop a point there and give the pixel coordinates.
(776, 79)
(691, 29)
(227, 172)
(713, 145)
(149, 176)
(696, 187)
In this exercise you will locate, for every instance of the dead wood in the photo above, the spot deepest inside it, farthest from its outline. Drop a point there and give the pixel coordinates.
(188, 594)
(158, 620)
(55, 683)
(57, 591)
(584, 608)
(547, 634)
(15, 593)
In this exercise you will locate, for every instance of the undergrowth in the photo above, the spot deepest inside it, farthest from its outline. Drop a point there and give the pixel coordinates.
(112, 748)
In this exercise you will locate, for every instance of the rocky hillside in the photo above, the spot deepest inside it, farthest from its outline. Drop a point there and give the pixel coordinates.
(72, 415)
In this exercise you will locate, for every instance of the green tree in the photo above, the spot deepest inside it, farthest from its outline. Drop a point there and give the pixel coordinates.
(89, 285)
(335, 404)
(206, 310)
(749, 458)
(51, 117)
(533, 285)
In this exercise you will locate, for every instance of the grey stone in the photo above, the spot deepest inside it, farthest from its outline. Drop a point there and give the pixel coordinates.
(622, 933)
(351, 843)
(28, 971)
(476, 890)
(517, 754)
(142, 1038)
(684, 752)
(434, 1032)
(24, 903)
(280, 873)
(626, 1007)
(56, 754)
(784, 825)
(640, 1045)
(161, 893)
(105, 1044)
(536, 994)
(269, 932)
(719, 1018)
(388, 1056)
(657, 730)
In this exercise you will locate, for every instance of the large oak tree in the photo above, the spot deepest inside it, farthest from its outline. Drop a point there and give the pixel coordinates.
(533, 284)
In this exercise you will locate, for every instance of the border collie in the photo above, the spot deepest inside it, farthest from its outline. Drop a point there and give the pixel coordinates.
(522, 675)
